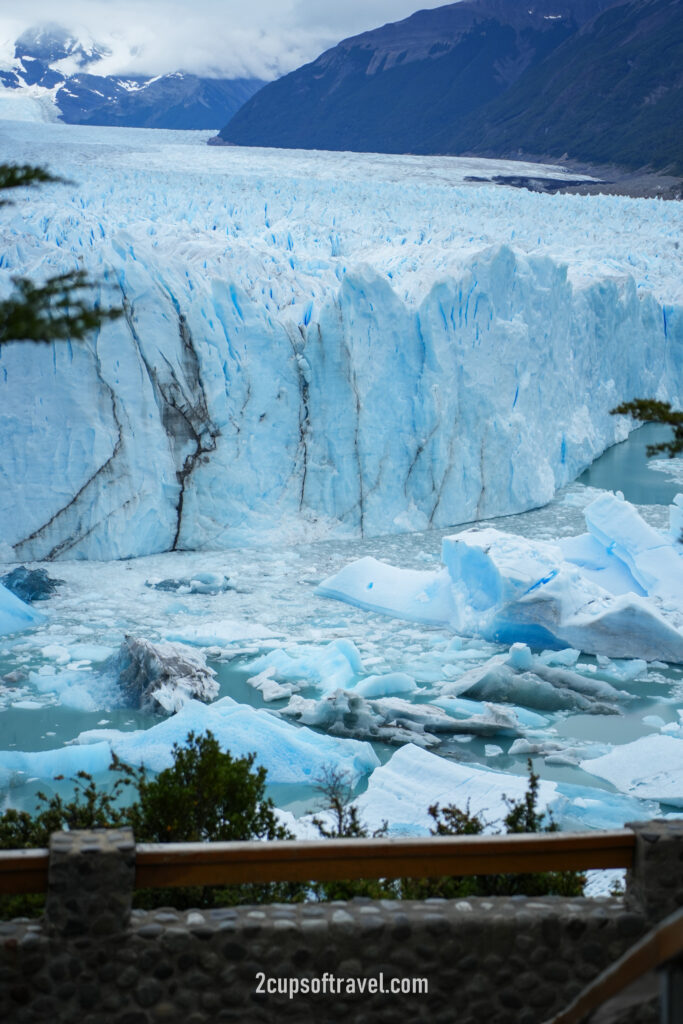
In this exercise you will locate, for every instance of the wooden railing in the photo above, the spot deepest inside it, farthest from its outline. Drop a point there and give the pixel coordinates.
(657, 950)
(176, 864)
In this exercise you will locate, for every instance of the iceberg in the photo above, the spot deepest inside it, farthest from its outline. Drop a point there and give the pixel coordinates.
(395, 720)
(290, 754)
(650, 768)
(243, 396)
(401, 791)
(162, 676)
(512, 589)
(331, 667)
(520, 677)
(15, 615)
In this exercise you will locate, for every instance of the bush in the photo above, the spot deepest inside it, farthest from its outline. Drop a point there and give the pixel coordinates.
(522, 816)
(205, 795)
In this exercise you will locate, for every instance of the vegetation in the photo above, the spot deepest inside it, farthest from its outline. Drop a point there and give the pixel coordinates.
(61, 308)
(522, 816)
(207, 794)
(650, 411)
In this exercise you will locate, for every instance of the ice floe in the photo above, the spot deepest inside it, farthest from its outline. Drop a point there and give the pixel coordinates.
(290, 754)
(650, 768)
(509, 588)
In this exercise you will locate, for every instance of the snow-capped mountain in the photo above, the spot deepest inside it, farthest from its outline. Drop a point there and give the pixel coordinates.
(56, 71)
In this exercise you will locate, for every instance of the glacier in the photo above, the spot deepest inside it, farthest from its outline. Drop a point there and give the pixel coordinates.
(315, 344)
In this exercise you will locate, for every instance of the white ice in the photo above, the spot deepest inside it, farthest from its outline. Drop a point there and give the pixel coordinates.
(401, 791)
(650, 768)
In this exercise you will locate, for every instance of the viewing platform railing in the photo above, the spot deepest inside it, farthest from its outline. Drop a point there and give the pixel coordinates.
(180, 864)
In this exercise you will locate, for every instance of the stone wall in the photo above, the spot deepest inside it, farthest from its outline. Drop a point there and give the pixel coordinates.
(92, 960)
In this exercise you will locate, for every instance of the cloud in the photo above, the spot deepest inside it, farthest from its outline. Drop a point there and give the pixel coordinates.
(222, 38)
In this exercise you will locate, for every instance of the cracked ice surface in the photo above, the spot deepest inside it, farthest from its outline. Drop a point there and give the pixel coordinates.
(269, 296)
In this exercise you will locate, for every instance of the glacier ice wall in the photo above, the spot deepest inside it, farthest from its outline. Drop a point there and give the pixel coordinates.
(302, 354)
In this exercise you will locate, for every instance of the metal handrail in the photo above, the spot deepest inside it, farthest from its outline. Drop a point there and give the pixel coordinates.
(178, 864)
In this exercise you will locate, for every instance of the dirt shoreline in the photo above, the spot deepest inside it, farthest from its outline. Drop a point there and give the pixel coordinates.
(611, 180)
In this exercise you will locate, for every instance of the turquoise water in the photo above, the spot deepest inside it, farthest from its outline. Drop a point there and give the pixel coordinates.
(625, 467)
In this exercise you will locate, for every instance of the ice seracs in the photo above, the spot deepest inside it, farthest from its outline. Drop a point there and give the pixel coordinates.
(616, 591)
(268, 299)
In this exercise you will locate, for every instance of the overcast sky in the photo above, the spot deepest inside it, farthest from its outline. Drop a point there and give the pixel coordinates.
(261, 38)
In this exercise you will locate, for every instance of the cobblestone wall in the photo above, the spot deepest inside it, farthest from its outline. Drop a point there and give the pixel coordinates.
(498, 960)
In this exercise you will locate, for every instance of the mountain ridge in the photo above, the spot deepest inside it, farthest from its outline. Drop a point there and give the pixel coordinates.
(475, 78)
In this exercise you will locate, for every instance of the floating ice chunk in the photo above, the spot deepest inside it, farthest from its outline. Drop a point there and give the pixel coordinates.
(401, 790)
(344, 713)
(675, 728)
(508, 588)
(462, 707)
(492, 720)
(616, 670)
(289, 753)
(654, 721)
(395, 720)
(162, 676)
(75, 688)
(566, 658)
(416, 594)
(30, 584)
(381, 686)
(200, 583)
(541, 686)
(651, 768)
(649, 555)
(47, 764)
(331, 667)
(493, 750)
(220, 633)
(585, 807)
(269, 688)
(15, 615)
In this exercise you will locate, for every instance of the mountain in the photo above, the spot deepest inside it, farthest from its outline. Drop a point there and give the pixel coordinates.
(54, 66)
(593, 79)
(395, 88)
(613, 93)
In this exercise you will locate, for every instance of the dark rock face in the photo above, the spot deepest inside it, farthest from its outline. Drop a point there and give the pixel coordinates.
(497, 77)
(176, 100)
